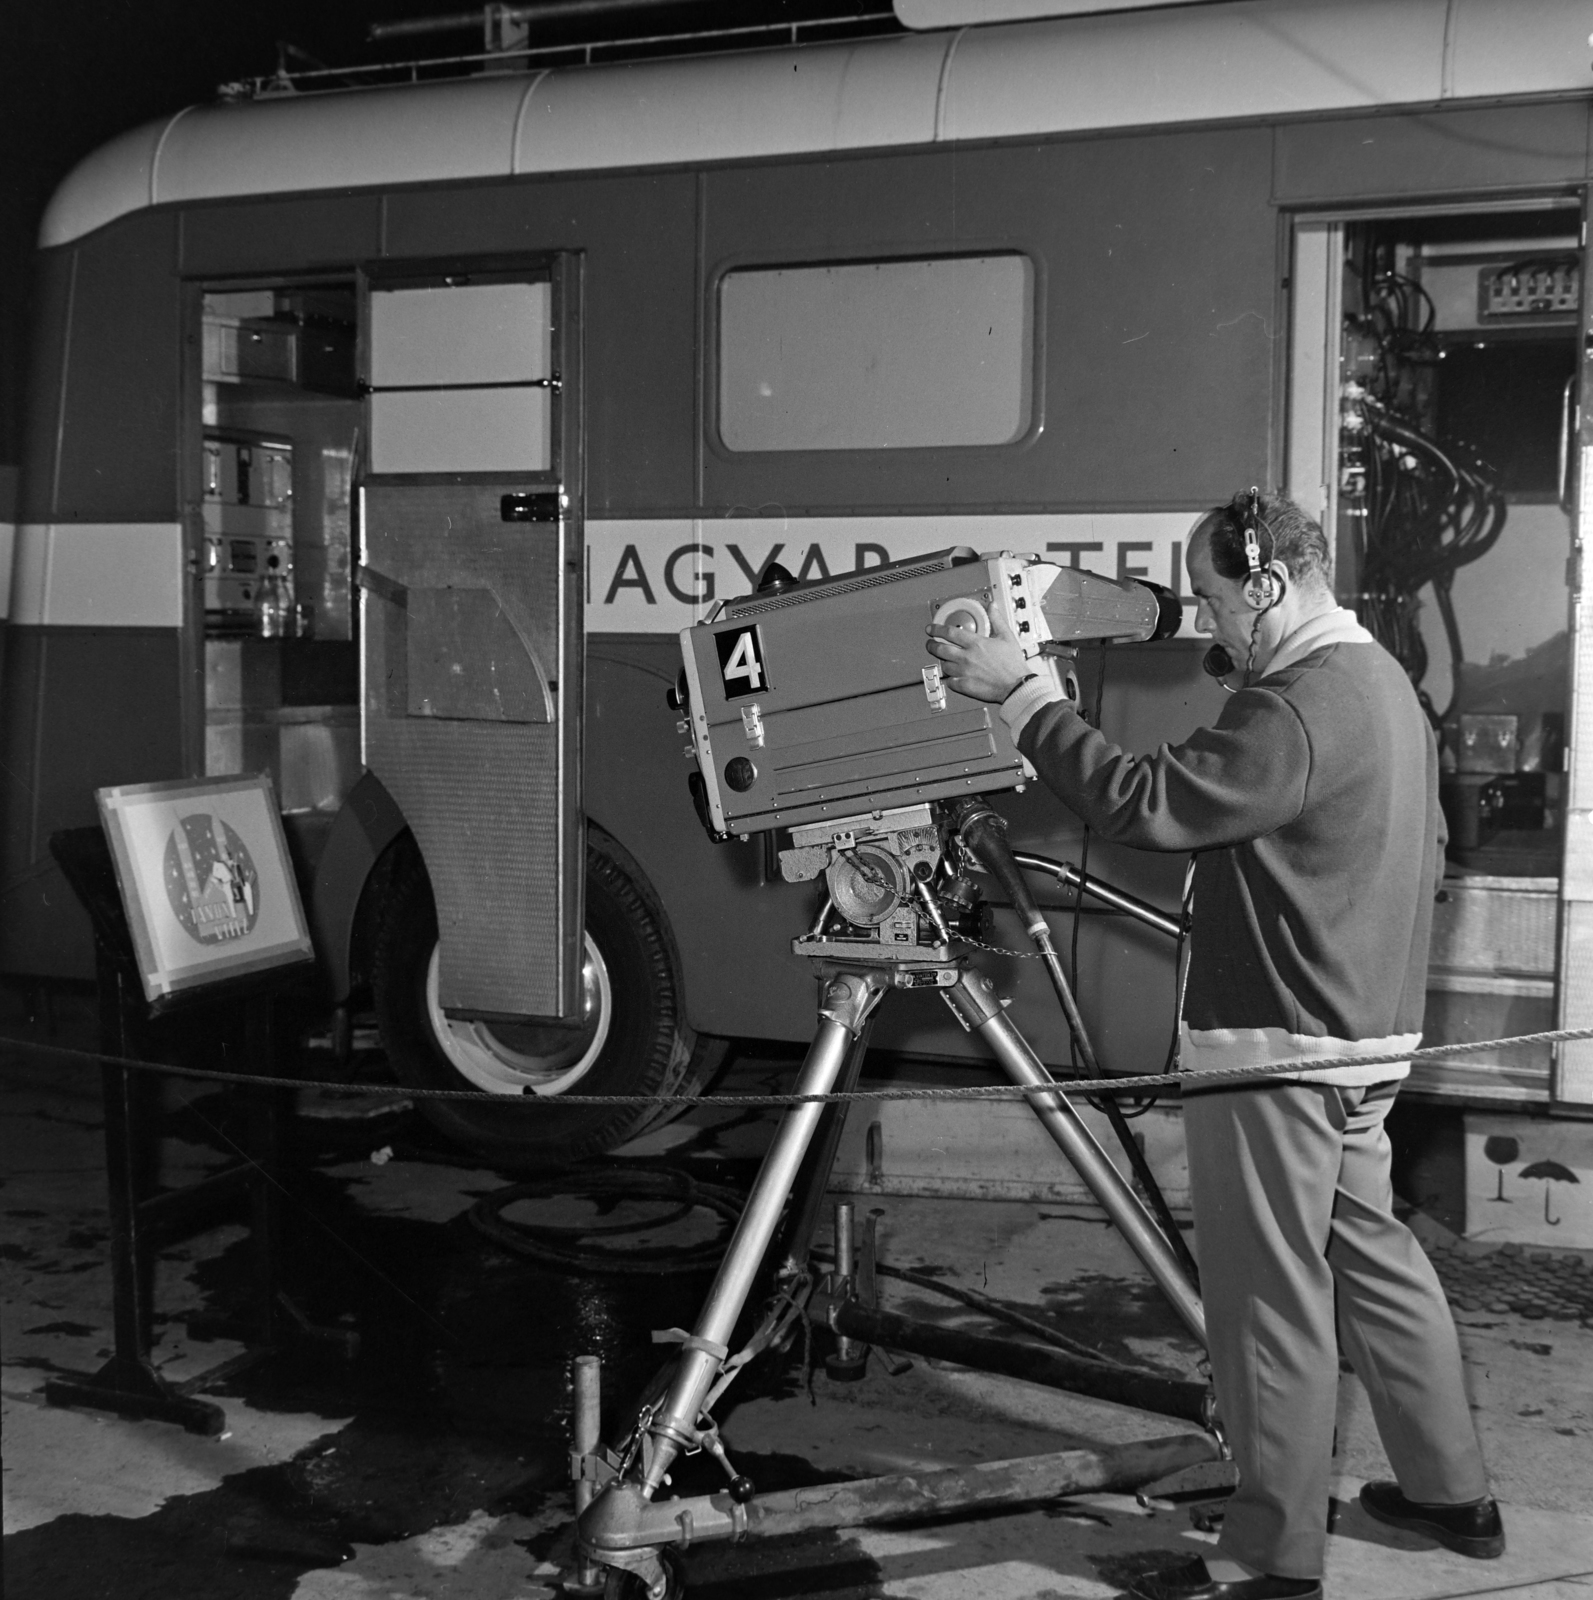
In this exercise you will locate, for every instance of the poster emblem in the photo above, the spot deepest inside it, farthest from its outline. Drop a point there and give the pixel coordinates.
(211, 880)
(741, 663)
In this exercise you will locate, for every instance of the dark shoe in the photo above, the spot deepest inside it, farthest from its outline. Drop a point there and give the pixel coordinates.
(1193, 1582)
(1473, 1529)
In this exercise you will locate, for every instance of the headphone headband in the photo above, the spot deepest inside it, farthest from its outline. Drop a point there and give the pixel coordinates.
(1250, 524)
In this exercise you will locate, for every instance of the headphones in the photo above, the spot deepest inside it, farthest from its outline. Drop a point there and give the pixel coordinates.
(1260, 589)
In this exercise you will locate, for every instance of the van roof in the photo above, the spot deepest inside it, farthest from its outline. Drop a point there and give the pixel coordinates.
(1236, 59)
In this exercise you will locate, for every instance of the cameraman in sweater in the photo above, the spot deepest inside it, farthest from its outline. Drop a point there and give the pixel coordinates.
(1312, 808)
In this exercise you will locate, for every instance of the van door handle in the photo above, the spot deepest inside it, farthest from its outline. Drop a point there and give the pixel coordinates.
(540, 505)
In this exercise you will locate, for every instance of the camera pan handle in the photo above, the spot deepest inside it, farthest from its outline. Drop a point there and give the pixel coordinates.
(1068, 875)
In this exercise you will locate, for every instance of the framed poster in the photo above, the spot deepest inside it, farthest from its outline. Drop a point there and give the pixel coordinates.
(205, 879)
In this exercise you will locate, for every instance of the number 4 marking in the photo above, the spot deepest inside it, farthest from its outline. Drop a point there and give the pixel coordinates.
(744, 663)
(741, 663)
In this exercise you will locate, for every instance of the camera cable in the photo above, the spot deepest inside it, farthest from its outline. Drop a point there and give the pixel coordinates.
(1084, 843)
(983, 830)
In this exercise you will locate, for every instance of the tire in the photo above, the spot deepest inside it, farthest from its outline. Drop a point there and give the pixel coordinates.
(634, 1041)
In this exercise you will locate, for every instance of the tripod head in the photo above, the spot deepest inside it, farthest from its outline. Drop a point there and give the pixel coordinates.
(900, 883)
(892, 877)
(890, 873)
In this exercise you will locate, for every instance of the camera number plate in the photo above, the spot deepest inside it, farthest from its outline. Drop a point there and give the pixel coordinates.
(743, 668)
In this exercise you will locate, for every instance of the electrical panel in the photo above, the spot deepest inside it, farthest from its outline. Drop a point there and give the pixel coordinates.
(248, 516)
(1530, 289)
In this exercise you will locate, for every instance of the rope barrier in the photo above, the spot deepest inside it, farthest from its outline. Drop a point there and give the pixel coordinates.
(1164, 1082)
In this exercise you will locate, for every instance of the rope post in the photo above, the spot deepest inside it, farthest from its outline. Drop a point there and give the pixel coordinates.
(585, 1428)
(851, 1355)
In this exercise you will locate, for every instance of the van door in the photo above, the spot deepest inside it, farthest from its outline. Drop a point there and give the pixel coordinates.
(1573, 1066)
(471, 540)
(1435, 353)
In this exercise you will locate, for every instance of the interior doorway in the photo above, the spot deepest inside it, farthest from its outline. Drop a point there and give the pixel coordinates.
(278, 433)
(1435, 358)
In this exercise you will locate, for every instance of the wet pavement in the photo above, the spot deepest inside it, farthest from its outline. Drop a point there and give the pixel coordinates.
(433, 1464)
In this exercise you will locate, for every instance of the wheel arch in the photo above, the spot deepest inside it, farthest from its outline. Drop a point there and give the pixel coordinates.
(648, 1047)
(365, 828)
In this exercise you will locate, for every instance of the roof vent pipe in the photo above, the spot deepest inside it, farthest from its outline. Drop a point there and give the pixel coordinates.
(931, 15)
(507, 27)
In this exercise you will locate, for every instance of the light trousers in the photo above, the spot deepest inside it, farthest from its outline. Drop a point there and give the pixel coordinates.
(1301, 1256)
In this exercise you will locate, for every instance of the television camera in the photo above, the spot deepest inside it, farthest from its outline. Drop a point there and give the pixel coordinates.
(814, 708)
(811, 702)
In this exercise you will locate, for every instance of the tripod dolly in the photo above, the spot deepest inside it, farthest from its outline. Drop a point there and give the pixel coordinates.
(896, 882)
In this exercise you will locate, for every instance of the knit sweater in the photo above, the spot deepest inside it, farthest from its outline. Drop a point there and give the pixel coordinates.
(1312, 804)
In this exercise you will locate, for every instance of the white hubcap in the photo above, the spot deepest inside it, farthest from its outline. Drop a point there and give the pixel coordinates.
(496, 1058)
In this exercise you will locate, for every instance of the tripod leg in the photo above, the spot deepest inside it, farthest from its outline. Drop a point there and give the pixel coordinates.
(844, 1006)
(974, 1000)
(807, 1194)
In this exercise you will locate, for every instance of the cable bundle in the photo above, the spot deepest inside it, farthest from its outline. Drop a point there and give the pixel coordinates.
(1425, 509)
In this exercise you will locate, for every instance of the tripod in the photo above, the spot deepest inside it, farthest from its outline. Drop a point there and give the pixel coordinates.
(623, 1527)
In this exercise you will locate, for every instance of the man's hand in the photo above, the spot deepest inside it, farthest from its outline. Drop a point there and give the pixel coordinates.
(981, 668)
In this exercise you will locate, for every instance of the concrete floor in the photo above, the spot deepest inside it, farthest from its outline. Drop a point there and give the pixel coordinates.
(432, 1465)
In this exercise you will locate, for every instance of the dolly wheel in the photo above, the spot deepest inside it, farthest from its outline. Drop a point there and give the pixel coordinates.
(620, 1585)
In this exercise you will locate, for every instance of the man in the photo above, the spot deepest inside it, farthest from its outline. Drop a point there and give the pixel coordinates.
(1312, 804)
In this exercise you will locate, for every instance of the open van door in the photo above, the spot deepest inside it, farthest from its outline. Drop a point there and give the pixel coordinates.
(1573, 1066)
(471, 540)
(1436, 356)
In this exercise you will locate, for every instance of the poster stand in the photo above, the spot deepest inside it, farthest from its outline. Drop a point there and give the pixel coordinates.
(144, 1218)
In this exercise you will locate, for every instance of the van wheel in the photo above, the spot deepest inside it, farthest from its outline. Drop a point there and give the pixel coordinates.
(633, 1039)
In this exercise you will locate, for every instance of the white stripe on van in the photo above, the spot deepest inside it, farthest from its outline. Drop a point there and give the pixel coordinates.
(663, 574)
(643, 575)
(8, 543)
(98, 575)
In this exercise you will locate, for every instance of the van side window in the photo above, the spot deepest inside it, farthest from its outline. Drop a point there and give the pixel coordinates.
(878, 355)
